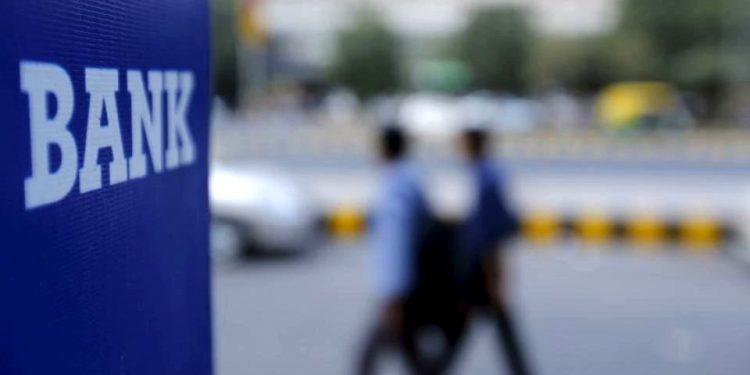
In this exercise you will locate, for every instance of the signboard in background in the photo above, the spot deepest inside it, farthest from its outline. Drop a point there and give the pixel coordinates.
(104, 106)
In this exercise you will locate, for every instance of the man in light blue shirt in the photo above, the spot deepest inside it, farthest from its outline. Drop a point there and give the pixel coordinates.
(396, 218)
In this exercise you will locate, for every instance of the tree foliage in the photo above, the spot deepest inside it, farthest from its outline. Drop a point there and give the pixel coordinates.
(224, 50)
(367, 56)
(496, 46)
(587, 64)
(687, 37)
(679, 41)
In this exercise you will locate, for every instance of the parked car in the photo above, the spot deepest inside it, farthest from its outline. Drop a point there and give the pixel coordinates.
(258, 209)
(431, 115)
(442, 116)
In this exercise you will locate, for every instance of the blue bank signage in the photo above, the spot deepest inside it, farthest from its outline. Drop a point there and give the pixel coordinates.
(104, 108)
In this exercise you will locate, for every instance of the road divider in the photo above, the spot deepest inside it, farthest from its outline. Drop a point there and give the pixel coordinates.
(696, 233)
(346, 223)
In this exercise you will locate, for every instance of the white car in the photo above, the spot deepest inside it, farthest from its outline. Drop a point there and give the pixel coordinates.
(444, 116)
(257, 208)
(431, 115)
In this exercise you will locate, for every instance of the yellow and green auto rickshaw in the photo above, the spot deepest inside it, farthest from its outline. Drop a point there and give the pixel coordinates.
(629, 107)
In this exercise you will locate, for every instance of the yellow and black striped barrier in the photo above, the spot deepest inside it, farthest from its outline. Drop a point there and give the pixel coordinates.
(346, 223)
(644, 231)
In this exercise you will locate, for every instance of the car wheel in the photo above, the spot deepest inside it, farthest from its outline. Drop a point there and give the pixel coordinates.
(227, 240)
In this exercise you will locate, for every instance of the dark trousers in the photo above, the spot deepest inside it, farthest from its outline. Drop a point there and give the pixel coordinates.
(452, 320)
(419, 314)
(454, 327)
(380, 338)
(508, 337)
(479, 300)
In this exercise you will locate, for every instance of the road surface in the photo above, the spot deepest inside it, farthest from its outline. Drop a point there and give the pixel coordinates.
(613, 311)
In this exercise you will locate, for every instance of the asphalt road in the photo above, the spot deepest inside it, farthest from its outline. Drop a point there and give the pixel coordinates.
(613, 311)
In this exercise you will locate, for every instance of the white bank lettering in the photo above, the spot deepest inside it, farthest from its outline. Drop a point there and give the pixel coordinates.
(50, 128)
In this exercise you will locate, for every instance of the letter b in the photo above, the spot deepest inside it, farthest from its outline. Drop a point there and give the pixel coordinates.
(38, 81)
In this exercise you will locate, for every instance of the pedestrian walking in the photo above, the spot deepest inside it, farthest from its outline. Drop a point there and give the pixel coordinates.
(488, 226)
(399, 210)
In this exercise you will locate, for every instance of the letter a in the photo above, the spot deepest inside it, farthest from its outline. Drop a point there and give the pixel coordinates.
(101, 85)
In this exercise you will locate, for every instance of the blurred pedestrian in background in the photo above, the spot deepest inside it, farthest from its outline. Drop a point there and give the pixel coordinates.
(489, 224)
(398, 212)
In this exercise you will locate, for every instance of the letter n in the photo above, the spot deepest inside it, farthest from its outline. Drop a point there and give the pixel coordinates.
(145, 121)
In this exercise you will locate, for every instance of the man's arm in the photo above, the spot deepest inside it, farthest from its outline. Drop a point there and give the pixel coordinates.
(504, 224)
(493, 266)
(392, 247)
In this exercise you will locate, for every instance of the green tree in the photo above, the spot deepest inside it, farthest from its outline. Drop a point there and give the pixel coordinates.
(224, 50)
(367, 56)
(496, 46)
(573, 63)
(687, 37)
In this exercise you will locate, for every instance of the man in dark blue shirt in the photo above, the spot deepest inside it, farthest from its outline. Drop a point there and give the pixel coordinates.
(489, 224)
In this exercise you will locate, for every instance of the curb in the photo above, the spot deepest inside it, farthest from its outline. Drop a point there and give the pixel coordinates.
(697, 233)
